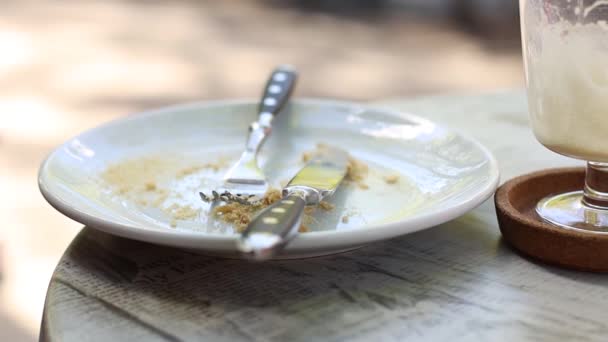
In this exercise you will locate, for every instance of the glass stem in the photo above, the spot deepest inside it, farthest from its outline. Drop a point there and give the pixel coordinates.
(596, 186)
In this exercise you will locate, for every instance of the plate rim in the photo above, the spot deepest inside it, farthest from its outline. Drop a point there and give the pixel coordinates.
(181, 238)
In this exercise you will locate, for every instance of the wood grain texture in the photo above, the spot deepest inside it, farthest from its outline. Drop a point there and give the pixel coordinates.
(456, 282)
(522, 228)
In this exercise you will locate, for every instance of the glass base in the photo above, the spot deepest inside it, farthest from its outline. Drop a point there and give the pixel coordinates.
(568, 211)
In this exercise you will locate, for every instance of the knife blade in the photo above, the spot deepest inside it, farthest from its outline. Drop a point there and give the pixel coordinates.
(271, 230)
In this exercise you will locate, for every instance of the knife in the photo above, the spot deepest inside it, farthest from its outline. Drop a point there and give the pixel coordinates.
(271, 230)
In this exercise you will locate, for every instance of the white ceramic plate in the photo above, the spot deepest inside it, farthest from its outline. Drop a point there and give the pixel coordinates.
(442, 174)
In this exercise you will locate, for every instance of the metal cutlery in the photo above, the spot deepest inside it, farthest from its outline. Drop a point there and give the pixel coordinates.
(245, 182)
(275, 226)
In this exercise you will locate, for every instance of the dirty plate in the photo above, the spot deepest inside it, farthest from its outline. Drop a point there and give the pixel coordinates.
(139, 177)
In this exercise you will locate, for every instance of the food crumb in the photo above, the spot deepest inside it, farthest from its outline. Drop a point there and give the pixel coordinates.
(345, 219)
(179, 212)
(272, 196)
(131, 175)
(240, 215)
(143, 180)
(307, 156)
(188, 171)
(303, 229)
(356, 171)
(326, 206)
(196, 168)
(391, 179)
(363, 186)
(161, 197)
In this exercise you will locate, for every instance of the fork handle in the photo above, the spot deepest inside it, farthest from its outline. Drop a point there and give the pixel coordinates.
(273, 228)
(278, 89)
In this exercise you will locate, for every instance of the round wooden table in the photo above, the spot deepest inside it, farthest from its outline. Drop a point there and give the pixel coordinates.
(456, 282)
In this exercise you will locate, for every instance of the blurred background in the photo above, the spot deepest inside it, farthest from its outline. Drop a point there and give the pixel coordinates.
(69, 66)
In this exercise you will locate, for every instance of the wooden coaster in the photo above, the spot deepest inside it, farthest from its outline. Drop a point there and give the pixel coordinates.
(524, 230)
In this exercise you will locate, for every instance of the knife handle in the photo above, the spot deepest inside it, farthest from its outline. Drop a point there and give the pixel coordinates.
(277, 90)
(273, 228)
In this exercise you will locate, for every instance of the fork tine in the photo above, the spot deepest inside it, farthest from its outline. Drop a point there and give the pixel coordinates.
(245, 178)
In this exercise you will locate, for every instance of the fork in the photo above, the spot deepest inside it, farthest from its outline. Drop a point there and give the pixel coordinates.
(245, 182)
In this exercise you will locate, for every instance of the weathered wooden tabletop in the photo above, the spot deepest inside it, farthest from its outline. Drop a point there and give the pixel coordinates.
(455, 282)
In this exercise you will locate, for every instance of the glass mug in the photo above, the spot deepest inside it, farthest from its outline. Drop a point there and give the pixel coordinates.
(565, 48)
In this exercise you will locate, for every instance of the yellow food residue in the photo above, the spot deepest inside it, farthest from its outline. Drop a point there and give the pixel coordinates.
(326, 206)
(143, 180)
(146, 180)
(356, 171)
(135, 175)
(179, 212)
(391, 179)
(196, 168)
(239, 214)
